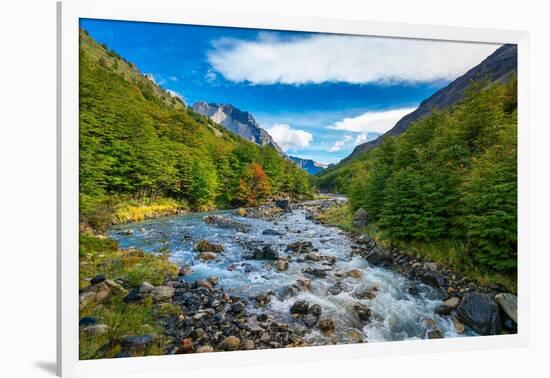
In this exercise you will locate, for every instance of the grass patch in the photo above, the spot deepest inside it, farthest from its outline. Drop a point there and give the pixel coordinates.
(102, 256)
(123, 320)
(100, 213)
(339, 216)
(136, 211)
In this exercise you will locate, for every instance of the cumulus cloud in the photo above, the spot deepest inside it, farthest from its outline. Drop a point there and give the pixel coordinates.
(339, 58)
(372, 121)
(289, 138)
(339, 144)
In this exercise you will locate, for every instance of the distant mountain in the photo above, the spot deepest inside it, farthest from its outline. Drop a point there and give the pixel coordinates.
(237, 121)
(496, 67)
(310, 166)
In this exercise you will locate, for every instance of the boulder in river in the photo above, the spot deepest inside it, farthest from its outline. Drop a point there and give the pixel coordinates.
(379, 256)
(223, 222)
(434, 279)
(433, 331)
(312, 256)
(204, 284)
(335, 289)
(270, 231)
(300, 247)
(326, 326)
(299, 307)
(185, 271)
(281, 265)
(509, 304)
(480, 312)
(364, 292)
(315, 310)
(443, 310)
(265, 253)
(206, 246)
(310, 320)
(283, 204)
(207, 256)
(452, 302)
(363, 312)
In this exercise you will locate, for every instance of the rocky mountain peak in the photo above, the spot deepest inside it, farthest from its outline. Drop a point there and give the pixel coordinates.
(237, 121)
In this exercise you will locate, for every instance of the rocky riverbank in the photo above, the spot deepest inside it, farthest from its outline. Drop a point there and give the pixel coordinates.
(487, 310)
(269, 277)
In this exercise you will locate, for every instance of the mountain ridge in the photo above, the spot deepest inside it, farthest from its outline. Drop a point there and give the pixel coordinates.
(496, 67)
(309, 165)
(237, 121)
(244, 124)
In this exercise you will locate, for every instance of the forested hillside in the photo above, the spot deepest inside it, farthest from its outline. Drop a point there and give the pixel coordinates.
(451, 176)
(139, 143)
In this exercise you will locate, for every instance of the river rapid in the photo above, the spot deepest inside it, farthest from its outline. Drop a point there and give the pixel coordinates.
(397, 312)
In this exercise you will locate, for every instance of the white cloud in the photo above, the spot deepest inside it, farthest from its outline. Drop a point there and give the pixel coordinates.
(360, 139)
(339, 58)
(288, 138)
(372, 121)
(339, 144)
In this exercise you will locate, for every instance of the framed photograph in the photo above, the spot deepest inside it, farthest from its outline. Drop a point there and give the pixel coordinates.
(240, 189)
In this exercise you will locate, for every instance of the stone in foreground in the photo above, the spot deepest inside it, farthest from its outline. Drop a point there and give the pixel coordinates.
(480, 312)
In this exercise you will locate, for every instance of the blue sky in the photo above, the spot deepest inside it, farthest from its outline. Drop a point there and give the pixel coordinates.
(318, 95)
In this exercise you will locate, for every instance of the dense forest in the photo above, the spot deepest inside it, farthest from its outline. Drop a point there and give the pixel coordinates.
(140, 143)
(451, 176)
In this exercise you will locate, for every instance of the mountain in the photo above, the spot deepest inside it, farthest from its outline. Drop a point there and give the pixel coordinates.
(497, 67)
(237, 121)
(310, 166)
(138, 142)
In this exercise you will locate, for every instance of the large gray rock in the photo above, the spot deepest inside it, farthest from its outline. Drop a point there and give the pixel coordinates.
(94, 294)
(379, 256)
(146, 288)
(283, 204)
(434, 279)
(360, 218)
(265, 253)
(162, 293)
(95, 330)
(299, 307)
(509, 304)
(480, 312)
(136, 344)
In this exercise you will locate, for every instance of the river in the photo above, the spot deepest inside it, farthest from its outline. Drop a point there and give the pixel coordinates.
(396, 313)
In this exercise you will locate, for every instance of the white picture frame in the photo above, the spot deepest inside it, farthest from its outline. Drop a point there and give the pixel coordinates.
(165, 11)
